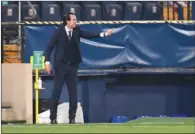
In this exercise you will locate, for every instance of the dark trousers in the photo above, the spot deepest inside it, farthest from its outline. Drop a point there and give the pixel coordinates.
(65, 73)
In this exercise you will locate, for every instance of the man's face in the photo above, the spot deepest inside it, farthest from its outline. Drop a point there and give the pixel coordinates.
(72, 22)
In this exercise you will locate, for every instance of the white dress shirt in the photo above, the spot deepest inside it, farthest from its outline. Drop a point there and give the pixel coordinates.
(67, 30)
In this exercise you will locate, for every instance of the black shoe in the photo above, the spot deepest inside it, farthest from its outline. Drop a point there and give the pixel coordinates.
(54, 122)
(72, 121)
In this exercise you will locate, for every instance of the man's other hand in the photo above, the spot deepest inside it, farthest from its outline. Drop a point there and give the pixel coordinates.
(48, 68)
(109, 32)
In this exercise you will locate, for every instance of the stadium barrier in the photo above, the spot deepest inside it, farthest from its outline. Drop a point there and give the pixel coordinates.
(155, 44)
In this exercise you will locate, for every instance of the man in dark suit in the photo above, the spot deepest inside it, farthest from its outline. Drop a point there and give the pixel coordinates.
(66, 40)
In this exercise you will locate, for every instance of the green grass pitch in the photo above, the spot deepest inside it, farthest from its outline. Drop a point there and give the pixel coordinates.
(142, 125)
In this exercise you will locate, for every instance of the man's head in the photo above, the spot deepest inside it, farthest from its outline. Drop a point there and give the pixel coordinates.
(70, 20)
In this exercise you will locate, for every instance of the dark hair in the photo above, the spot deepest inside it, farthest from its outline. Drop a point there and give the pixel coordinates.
(66, 17)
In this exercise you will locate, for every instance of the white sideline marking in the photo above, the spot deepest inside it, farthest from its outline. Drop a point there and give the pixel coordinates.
(148, 123)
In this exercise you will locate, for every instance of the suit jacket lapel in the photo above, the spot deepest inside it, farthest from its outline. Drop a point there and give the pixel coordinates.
(66, 36)
(73, 34)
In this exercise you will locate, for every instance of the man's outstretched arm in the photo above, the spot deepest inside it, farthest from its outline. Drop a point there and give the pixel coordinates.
(88, 35)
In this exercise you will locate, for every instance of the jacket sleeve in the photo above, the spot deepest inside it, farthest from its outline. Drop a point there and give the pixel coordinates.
(88, 35)
(51, 45)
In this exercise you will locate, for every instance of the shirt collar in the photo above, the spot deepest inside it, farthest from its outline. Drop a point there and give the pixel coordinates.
(67, 29)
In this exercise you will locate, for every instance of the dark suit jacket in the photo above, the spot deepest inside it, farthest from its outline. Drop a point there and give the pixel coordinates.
(59, 41)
